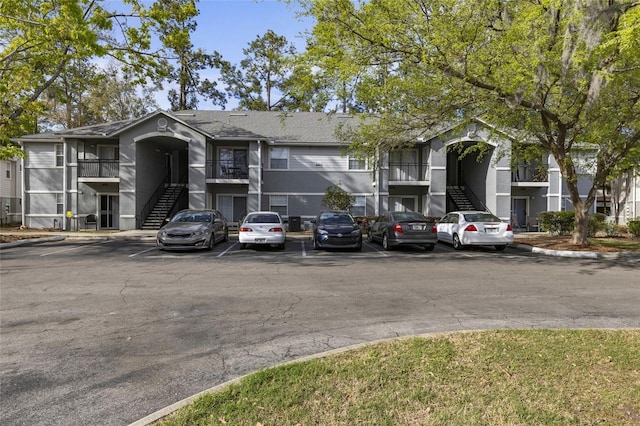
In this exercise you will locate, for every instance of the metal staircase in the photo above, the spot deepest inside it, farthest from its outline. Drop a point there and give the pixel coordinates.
(460, 198)
(163, 207)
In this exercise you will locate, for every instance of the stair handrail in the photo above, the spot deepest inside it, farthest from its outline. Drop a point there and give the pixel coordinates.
(146, 209)
(474, 199)
(182, 187)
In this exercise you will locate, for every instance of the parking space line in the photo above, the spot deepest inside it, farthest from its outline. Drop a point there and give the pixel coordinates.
(304, 250)
(142, 252)
(227, 250)
(74, 248)
(376, 249)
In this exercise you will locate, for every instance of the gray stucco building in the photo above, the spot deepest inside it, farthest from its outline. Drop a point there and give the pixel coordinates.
(125, 172)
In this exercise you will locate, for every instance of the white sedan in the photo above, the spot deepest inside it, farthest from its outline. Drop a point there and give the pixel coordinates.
(262, 228)
(467, 228)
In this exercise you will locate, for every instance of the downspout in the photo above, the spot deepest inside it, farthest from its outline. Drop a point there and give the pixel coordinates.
(64, 187)
(259, 175)
(23, 213)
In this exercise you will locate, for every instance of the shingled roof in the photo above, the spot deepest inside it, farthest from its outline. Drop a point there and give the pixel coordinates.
(297, 127)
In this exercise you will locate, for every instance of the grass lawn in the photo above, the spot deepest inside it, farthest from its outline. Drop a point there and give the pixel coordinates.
(505, 377)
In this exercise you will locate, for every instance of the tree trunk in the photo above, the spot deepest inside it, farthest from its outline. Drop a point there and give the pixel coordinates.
(580, 231)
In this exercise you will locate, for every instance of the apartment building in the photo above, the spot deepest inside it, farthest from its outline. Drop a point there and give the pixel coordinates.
(132, 174)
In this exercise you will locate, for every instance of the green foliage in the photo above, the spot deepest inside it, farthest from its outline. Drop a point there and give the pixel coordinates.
(42, 38)
(337, 198)
(634, 228)
(559, 77)
(597, 223)
(262, 80)
(513, 377)
(558, 223)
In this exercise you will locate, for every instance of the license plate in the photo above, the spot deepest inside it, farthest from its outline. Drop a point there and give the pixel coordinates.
(417, 227)
(491, 230)
(260, 240)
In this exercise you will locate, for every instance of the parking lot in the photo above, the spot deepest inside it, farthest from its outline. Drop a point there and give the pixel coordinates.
(109, 331)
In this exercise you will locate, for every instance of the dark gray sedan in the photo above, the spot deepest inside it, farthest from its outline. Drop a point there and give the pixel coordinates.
(394, 229)
(193, 229)
(336, 229)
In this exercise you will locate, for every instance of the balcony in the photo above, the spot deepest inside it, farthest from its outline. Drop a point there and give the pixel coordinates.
(530, 176)
(108, 169)
(227, 170)
(408, 174)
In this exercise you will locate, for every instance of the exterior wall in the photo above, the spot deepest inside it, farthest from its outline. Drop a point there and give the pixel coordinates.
(44, 185)
(626, 198)
(10, 191)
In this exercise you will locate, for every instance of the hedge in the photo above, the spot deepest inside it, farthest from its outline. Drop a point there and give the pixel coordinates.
(563, 223)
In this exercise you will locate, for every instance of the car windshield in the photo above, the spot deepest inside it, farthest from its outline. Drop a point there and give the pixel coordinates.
(480, 217)
(336, 219)
(262, 218)
(192, 217)
(405, 216)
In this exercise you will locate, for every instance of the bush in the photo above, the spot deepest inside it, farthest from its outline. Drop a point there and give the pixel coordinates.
(597, 223)
(558, 223)
(612, 229)
(634, 228)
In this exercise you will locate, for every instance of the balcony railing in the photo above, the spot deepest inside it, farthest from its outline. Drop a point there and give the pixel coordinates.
(529, 174)
(99, 168)
(408, 172)
(227, 170)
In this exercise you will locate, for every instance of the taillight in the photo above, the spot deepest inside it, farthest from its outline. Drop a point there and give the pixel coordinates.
(276, 229)
(434, 229)
(397, 228)
(509, 228)
(471, 228)
(243, 229)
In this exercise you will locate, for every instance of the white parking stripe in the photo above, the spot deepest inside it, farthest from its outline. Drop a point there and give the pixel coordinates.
(75, 248)
(143, 251)
(304, 251)
(380, 251)
(225, 252)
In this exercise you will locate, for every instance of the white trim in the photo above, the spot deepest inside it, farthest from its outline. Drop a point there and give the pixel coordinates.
(198, 166)
(128, 216)
(163, 135)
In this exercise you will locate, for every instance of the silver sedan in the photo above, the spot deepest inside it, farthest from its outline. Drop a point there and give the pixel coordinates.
(193, 229)
(468, 228)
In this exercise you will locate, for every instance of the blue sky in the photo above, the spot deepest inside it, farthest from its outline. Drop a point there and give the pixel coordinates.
(228, 26)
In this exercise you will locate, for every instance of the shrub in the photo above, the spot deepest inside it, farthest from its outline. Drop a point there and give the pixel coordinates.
(612, 229)
(634, 228)
(558, 223)
(597, 223)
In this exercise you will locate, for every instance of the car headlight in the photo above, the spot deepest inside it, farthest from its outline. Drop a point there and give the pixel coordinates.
(355, 232)
(162, 234)
(322, 231)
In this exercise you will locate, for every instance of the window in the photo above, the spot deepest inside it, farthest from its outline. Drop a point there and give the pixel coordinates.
(278, 203)
(59, 203)
(279, 158)
(359, 206)
(8, 169)
(59, 155)
(357, 163)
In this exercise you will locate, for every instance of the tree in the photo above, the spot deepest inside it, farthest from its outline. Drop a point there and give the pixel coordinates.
(259, 83)
(337, 198)
(561, 75)
(175, 25)
(40, 39)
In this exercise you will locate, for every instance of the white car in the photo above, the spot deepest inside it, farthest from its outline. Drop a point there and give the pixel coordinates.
(262, 228)
(471, 228)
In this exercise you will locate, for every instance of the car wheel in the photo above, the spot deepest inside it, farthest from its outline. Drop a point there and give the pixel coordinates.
(315, 243)
(369, 237)
(212, 242)
(226, 236)
(429, 247)
(456, 242)
(385, 242)
(281, 246)
(159, 246)
(243, 246)
(501, 247)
